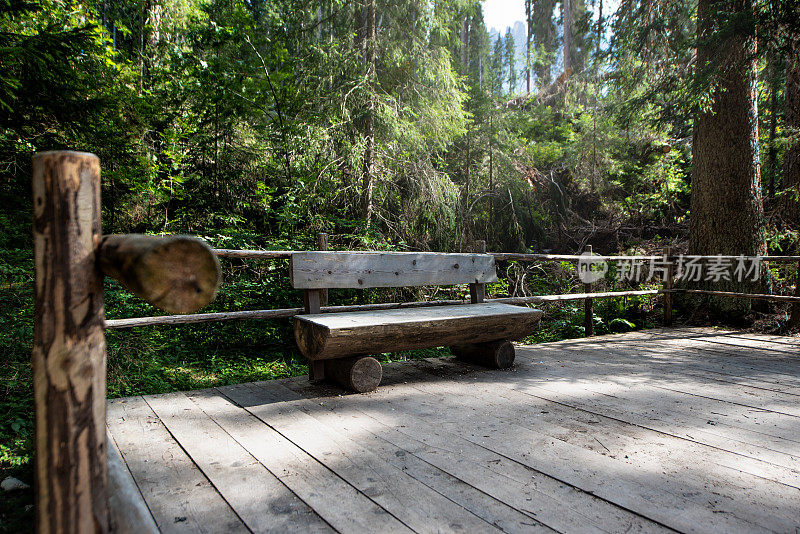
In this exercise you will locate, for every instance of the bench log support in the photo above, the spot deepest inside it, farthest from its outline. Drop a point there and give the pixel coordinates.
(361, 374)
(494, 355)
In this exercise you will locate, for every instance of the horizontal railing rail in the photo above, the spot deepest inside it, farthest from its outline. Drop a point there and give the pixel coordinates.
(508, 256)
(281, 313)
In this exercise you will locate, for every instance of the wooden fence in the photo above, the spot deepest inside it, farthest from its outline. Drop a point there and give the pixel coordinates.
(179, 274)
(588, 296)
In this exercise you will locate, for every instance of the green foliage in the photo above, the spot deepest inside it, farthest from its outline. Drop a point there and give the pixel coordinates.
(246, 123)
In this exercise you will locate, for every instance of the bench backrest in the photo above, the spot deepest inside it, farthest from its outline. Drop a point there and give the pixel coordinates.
(321, 270)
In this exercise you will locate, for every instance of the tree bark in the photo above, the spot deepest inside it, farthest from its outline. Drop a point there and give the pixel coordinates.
(726, 210)
(369, 128)
(528, 39)
(791, 170)
(773, 124)
(69, 353)
(544, 34)
(566, 18)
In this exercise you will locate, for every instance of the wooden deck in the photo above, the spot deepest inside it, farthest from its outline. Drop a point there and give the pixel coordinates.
(691, 430)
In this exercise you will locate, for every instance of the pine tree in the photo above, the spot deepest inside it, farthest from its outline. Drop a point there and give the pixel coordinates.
(509, 61)
(498, 72)
(726, 211)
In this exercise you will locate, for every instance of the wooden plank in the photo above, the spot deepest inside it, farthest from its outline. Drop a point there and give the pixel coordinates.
(348, 334)
(661, 447)
(691, 362)
(658, 407)
(178, 495)
(337, 502)
(792, 341)
(128, 513)
(415, 504)
(558, 505)
(777, 465)
(655, 495)
(361, 270)
(699, 362)
(751, 359)
(272, 507)
(691, 468)
(775, 408)
(769, 367)
(371, 436)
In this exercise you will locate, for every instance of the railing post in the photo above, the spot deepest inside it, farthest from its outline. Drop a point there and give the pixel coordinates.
(314, 299)
(323, 245)
(477, 292)
(69, 352)
(588, 313)
(669, 275)
(794, 317)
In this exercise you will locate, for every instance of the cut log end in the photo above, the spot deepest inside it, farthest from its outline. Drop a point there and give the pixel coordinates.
(494, 355)
(361, 374)
(179, 274)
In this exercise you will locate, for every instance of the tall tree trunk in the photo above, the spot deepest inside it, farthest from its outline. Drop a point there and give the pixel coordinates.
(566, 18)
(773, 124)
(529, 37)
(369, 128)
(726, 211)
(791, 168)
(544, 36)
(791, 172)
(599, 26)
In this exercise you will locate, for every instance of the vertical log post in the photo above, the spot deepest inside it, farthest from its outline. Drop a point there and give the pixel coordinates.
(477, 292)
(794, 317)
(323, 245)
(69, 356)
(669, 276)
(313, 300)
(588, 313)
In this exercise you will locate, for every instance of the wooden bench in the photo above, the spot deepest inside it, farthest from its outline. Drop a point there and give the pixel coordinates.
(336, 344)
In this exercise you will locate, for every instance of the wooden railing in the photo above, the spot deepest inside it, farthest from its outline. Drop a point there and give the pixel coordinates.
(588, 296)
(178, 274)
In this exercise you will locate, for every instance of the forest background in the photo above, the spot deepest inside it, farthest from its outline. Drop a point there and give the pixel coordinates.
(397, 125)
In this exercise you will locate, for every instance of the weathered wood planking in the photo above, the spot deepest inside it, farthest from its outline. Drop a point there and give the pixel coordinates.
(177, 493)
(341, 505)
(676, 459)
(127, 510)
(415, 504)
(335, 335)
(493, 509)
(604, 435)
(457, 411)
(233, 471)
(557, 505)
(361, 270)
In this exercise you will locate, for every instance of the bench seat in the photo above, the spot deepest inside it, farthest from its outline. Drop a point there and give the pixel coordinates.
(337, 335)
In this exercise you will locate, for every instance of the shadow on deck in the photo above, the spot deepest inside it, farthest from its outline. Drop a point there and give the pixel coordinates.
(675, 429)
